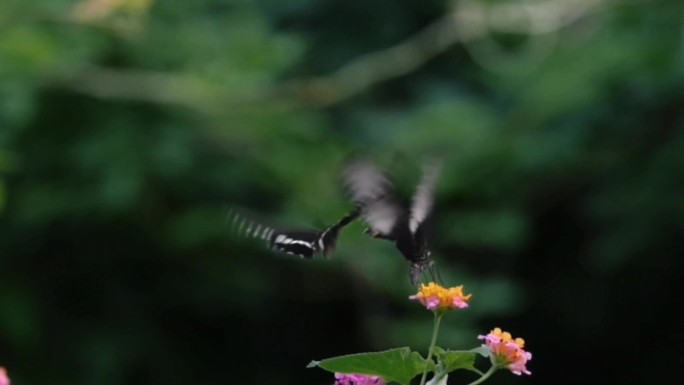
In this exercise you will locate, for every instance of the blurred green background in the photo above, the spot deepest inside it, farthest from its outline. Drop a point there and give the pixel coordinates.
(128, 126)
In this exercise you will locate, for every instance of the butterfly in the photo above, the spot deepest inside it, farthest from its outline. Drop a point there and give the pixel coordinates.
(302, 243)
(372, 192)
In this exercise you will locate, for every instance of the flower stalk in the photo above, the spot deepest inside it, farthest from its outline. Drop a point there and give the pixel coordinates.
(485, 376)
(433, 341)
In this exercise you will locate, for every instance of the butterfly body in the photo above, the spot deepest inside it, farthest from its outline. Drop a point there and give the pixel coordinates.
(408, 244)
(372, 192)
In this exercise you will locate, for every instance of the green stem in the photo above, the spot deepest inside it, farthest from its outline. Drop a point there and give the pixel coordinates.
(435, 330)
(485, 376)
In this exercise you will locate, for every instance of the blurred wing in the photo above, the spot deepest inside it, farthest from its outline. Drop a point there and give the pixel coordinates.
(365, 182)
(300, 243)
(328, 237)
(424, 198)
(381, 216)
(245, 227)
(370, 190)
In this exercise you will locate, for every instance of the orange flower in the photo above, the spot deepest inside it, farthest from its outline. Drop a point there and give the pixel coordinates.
(436, 297)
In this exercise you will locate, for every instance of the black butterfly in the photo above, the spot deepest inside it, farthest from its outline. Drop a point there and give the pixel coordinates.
(302, 243)
(372, 193)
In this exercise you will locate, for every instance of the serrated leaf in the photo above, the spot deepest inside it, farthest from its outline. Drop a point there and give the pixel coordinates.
(395, 365)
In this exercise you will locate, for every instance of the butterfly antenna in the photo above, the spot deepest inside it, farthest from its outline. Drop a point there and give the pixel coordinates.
(434, 273)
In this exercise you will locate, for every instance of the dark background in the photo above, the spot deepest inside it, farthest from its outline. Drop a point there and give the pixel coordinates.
(127, 128)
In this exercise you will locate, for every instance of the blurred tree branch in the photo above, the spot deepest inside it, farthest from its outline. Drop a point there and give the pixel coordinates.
(468, 22)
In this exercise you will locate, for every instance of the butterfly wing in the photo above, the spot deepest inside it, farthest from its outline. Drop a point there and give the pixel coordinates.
(244, 227)
(327, 239)
(424, 198)
(371, 191)
(302, 243)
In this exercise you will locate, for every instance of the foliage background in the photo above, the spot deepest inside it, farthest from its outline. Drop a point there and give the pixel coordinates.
(128, 126)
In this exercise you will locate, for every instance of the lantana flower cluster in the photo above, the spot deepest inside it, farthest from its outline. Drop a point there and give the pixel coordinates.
(507, 352)
(439, 298)
(4, 379)
(357, 379)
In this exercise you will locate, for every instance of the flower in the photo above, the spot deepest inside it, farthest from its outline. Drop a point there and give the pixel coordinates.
(357, 379)
(436, 297)
(4, 380)
(507, 352)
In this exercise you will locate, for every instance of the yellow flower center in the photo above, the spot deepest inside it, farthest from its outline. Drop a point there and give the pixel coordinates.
(506, 337)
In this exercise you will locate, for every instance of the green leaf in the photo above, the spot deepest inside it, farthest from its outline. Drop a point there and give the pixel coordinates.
(394, 365)
(482, 350)
(457, 359)
(438, 379)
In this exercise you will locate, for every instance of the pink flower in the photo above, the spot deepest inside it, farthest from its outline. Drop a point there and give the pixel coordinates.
(436, 297)
(357, 379)
(4, 380)
(507, 352)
